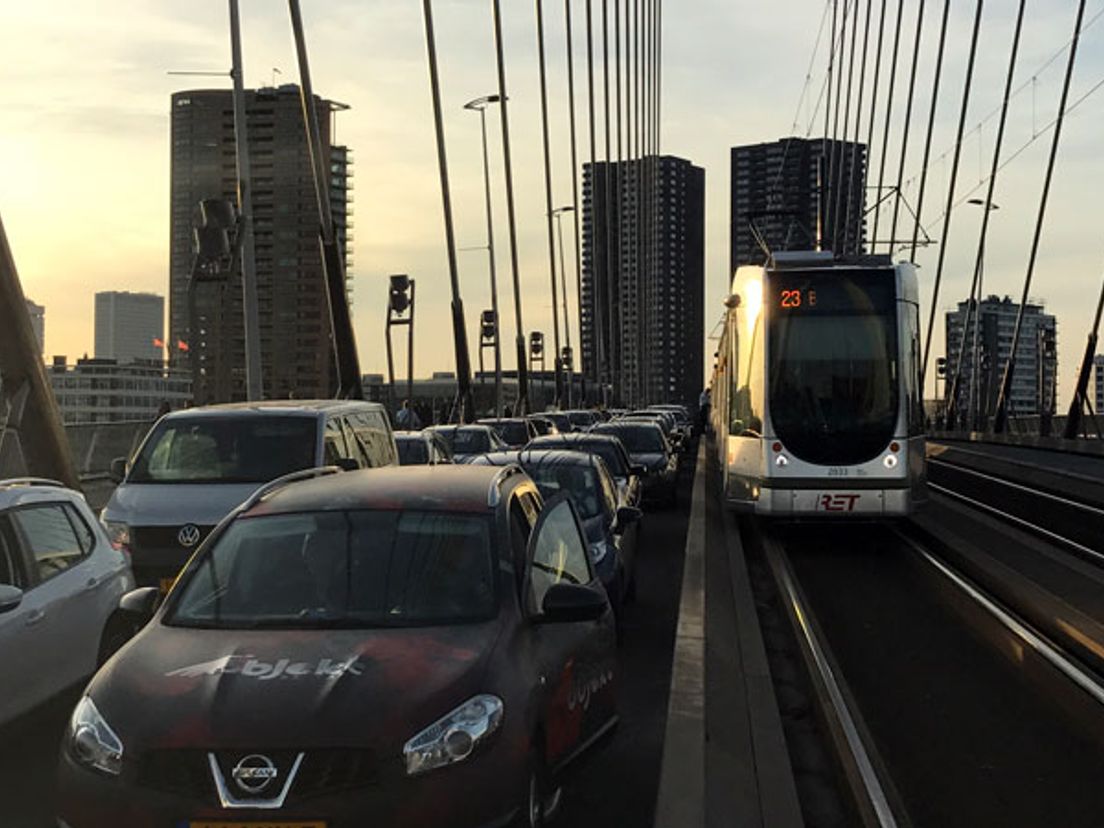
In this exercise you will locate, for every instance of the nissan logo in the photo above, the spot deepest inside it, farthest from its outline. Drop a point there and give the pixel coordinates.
(188, 535)
(254, 773)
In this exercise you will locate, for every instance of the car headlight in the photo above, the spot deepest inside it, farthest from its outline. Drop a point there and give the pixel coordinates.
(454, 737)
(118, 533)
(599, 550)
(91, 740)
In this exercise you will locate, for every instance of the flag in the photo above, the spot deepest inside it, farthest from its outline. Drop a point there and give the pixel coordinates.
(158, 343)
(181, 345)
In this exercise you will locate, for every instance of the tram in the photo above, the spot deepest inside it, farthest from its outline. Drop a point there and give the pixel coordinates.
(817, 405)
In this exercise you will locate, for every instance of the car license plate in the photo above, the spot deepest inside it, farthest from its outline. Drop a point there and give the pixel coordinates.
(194, 824)
(166, 585)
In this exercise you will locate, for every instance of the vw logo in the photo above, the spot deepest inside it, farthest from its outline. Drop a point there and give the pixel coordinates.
(188, 535)
(254, 773)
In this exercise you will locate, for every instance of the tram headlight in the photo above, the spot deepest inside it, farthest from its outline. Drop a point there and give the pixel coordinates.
(781, 461)
(890, 461)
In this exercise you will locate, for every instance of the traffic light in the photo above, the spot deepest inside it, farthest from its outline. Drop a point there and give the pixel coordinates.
(487, 326)
(400, 293)
(567, 354)
(536, 344)
(941, 367)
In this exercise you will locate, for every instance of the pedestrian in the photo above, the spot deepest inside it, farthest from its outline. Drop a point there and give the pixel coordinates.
(407, 419)
(507, 411)
(705, 402)
(163, 409)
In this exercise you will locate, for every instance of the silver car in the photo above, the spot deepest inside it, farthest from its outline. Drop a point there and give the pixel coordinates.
(60, 583)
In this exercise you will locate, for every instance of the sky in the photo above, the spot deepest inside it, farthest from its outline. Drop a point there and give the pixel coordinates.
(84, 144)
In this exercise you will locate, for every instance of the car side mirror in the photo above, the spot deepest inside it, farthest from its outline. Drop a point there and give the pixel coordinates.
(347, 464)
(639, 471)
(141, 603)
(626, 516)
(10, 598)
(118, 469)
(566, 603)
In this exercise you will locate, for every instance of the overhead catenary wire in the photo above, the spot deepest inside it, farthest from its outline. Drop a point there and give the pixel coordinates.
(971, 305)
(833, 147)
(840, 199)
(855, 141)
(873, 104)
(945, 235)
(931, 127)
(1010, 365)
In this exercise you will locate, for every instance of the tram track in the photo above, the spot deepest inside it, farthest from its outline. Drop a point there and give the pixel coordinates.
(945, 704)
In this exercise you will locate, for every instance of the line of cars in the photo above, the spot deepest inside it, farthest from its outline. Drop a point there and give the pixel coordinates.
(434, 646)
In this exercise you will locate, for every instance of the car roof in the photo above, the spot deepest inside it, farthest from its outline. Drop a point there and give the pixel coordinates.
(434, 488)
(539, 457)
(18, 491)
(276, 407)
(490, 421)
(574, 437)
(624, 422)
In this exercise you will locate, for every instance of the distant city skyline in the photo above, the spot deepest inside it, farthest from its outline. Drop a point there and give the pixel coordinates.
(129, 326)
(84, 146)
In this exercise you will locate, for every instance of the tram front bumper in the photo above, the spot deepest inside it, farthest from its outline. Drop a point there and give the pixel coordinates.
(834, 502)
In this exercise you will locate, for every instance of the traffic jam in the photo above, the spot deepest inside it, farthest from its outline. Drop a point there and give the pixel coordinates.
(289, 615)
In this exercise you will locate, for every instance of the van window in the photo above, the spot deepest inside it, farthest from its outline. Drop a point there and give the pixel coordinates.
(230, 449)
(334, 446)
(374, 434)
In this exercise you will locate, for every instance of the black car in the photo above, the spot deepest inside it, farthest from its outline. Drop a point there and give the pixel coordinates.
(561, 420)
(422, 448)
(421, 647)
(648, 447)
(468, 441)
(582, 418)
(542, 424)
(514, 431)
(607, 519)
(613, 454)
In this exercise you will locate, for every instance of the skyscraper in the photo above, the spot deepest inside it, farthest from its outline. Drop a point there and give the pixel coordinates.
(642, 319)
(777, 195)
(129, 326)
(1036, 372)
(296, 350)
(1098, 384)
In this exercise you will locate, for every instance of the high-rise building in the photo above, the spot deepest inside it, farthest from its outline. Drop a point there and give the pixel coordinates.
(1036, 372)
(38, 323)
(642, 319)
(296, 351)
(106, 391)
(130, 327)
(777, 199)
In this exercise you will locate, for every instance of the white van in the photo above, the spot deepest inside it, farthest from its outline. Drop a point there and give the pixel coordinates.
(197, 464)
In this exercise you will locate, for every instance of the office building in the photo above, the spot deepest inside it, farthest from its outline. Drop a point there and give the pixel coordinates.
(296, 351)
(130, 327)
(38, 323)
(1036, 372)
(107, 391)
(1098, 384)
(777, 200)
(642, 319)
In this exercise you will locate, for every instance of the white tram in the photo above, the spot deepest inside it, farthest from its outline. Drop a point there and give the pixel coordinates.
(817, 405)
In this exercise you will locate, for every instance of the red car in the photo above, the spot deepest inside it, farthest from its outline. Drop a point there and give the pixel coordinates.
(396, 647)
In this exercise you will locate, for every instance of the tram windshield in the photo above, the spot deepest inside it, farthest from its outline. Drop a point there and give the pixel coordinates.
(833, 363)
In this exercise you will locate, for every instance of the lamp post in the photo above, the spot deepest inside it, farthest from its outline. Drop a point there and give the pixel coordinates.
(975, 380)
(480, 105)
(566, 356)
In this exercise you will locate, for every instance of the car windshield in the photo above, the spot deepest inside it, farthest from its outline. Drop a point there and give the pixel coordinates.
(412, 451)
(514, 433)
(470, 441)
(610, 453)
(542, 426)
(343, 569)
(233, 449)
(638, 439)
(578, 480)
(581, 418)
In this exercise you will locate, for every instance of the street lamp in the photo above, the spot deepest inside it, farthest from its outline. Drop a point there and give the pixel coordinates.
(480, 105)
(975, 384)
(566, 354)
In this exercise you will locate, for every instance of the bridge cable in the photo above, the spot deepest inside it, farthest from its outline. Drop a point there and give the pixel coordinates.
(908, 120)
(967, 86)
(833, 149)
(575, 208)
(822, 165)
(838, 226)
(597, 328)
(612, 351)
(1010, 366)
(931, 128)
(975, 285)
(888, 123)
(873, 115)
(855, 141)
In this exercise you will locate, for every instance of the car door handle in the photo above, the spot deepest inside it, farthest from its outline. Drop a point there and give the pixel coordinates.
(35, 616)
(91, 583)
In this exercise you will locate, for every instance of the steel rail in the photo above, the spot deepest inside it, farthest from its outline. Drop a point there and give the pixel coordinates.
(873, 789)
(1038, 642)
